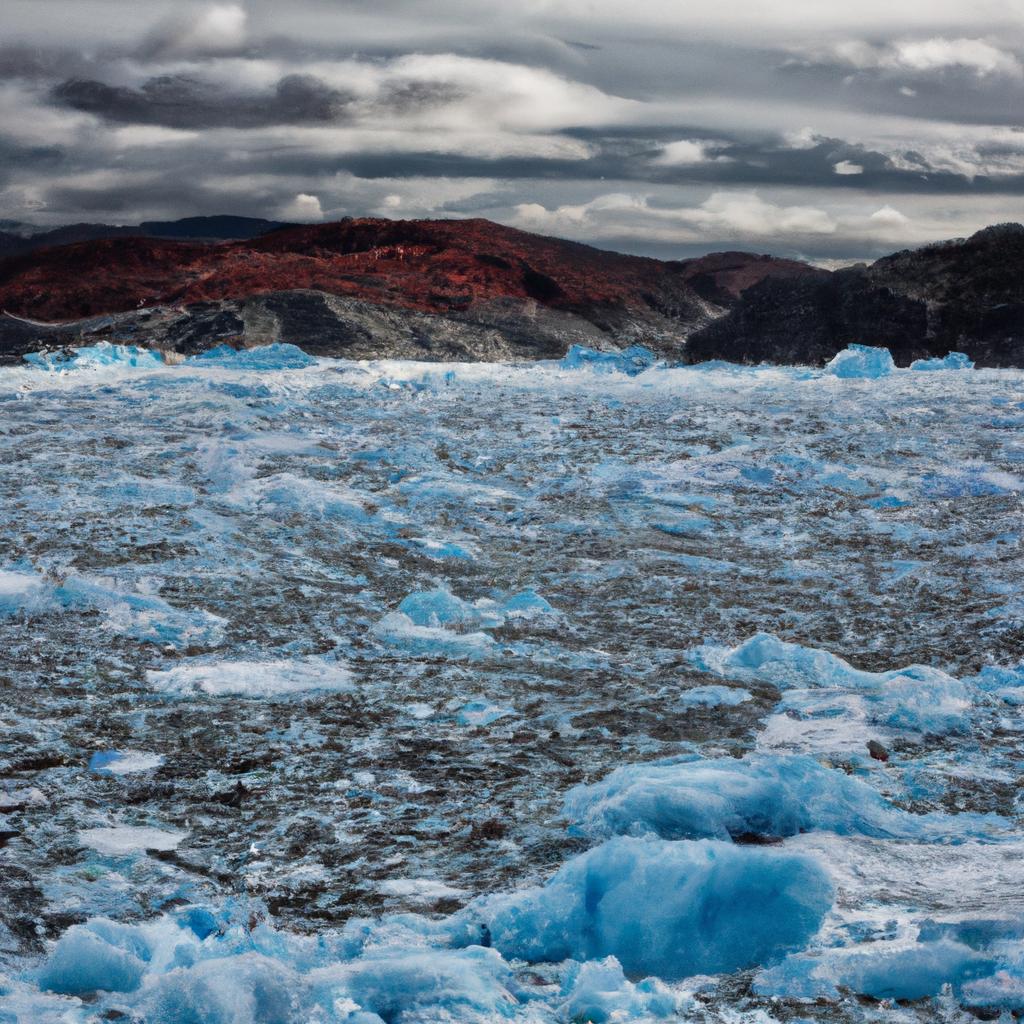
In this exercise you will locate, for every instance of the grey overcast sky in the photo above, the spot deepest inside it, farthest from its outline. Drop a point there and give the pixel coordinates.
(832, 131)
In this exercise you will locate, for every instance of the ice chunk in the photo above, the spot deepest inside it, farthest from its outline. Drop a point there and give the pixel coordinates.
(100, 955)
(245, 989)
(1003, 990)
(714, 696)
(630, 361)
(766, 658)
(422, 889)
(121, 840)
(481, 712)
(398, 629)
(598, 991)
(953, 361)
(861, 361)
(760, 795)
(439, 608)
(439, 622)
(278, 356)
(410, 984)
(917, 698)
(671, 909)
(142, 617)
(882, 970)
(22, 592)
(280, 677)
(123, 762)
(92, 357)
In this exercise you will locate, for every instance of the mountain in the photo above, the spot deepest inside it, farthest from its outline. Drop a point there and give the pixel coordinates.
(472, 289)
(370, 287)
(965, 295)
(22, 238)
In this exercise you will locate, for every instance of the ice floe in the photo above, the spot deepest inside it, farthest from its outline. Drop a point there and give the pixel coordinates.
(275, 677)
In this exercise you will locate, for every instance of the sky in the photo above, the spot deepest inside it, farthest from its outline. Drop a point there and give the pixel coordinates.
(831, 132)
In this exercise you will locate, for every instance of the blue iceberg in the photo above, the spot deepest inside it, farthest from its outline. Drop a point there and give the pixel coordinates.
(759, 795)
(277, 356)
(672, 909)
(630, 361)
(861, 361)
(953, 361)
(882, 970)
(91, 357)
(916, 698)
(598, 992)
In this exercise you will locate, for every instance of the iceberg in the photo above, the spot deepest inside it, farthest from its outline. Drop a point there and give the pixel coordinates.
(412, 984)
(762, 796)
(861, 361)
(277, 356)
(953, 361)
(248, 988)
(917, 698)
(123, 762)
(882, 970)
(142, 617)
(598, 991)
(630, 361)
(92, 357)
(1003, 990)
(100, 955)
(437, 621)
(22, 592)
(670, 909)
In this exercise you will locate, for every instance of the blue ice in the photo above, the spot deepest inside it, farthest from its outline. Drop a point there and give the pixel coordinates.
(277, 356)
(952, 361)
(917, 698)
(103, 353)
(672, 909)
(880, 970)
(861, 361)
(599, 992)
(630, 361)
(762, 795)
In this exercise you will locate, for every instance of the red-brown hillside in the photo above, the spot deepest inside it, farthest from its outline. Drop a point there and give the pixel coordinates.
(425, 265)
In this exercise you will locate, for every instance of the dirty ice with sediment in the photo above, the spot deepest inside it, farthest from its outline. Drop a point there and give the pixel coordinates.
(593, 690)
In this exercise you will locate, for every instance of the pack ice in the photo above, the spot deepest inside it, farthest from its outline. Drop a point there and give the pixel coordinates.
(594, 690)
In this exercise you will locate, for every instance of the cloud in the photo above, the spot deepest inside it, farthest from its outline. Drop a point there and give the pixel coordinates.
(800, 126)
(723, 215)
(180, 101)
(936, 53)
(304, 209)
(684, 152)
(219, 28)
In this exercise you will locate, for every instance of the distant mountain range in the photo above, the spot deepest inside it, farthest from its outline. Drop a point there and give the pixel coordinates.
(472, 289)
(17, 238)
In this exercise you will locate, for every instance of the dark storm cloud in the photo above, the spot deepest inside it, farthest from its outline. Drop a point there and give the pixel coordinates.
(178, 101)
(870, 126)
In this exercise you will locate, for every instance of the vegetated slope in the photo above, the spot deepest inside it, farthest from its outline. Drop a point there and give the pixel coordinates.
(472, 289)
(430, 289)
(965, 295)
